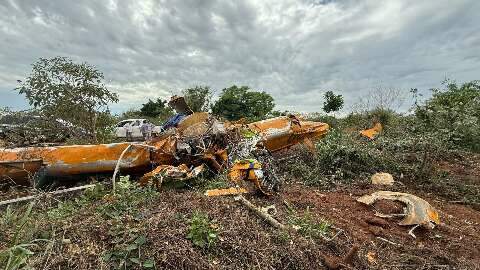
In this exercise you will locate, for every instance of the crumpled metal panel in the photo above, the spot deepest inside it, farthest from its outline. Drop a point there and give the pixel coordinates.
(371, 133)
(417, 212)
(282, 132)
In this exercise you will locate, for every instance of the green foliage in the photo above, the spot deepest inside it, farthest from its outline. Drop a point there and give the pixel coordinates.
(63, 210)
(238, 102)
(453, 114)
(340, 158)
(156, 109)
(68, 208)
(332, 121)
(130, 113)
(201, 232)
(129, 195)
(367, 119)
(62, 89)
(282, 237)
(307, 225)
(16, 256)
(332, 102)
(19, 249)
(208, 181)
(198, 98)
(106, 124)
(127, 250)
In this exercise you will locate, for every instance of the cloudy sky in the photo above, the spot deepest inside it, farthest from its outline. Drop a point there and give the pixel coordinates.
(294, 50)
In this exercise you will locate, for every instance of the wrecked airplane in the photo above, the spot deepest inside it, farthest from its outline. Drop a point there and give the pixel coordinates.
(190, 144)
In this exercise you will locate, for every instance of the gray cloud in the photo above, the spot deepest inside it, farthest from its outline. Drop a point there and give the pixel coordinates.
(294, 50)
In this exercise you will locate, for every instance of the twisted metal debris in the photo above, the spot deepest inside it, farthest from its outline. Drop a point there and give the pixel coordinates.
(198, 142)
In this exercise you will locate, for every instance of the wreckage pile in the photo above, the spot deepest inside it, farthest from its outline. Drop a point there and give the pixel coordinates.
(193, 143)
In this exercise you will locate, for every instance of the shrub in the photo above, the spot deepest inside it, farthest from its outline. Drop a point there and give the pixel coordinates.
(129, 195)
(341, 158)
(201, 232)
(366, 119)
(453, 115)
(307, 225)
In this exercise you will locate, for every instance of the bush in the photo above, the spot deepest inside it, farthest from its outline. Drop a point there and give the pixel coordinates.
(366, 119)
(127, 199)
(453, 115)
(201, 232)
(341, 158)
(307, 225)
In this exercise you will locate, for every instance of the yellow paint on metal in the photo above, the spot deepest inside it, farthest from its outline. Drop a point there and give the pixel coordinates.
(283, 132)
(277, 133)
(225, 191)
(371, 133)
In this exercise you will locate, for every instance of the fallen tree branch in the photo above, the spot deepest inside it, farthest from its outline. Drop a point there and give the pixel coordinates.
(28, 198)
(267, 217)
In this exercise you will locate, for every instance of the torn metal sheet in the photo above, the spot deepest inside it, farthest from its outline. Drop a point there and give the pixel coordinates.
(179, 104)
(371, 133)
(417, 212)
(285, 131)
(20, 169)
(164, 173)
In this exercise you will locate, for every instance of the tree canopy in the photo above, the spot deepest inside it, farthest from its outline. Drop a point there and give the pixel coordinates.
(332, 102)
(157, 109)
(73, 92)
(198, 98)
(238, 102)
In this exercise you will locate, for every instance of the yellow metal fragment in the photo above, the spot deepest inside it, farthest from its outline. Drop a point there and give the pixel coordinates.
(371, 133)
(225, 191)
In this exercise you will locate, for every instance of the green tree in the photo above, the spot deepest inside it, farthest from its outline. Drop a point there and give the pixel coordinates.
(332, 102)
(130, 113)
(62, 89)
(198, 98)
(237, 102)
(156, 109)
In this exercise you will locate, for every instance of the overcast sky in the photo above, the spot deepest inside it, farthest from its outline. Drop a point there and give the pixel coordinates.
(294, 50)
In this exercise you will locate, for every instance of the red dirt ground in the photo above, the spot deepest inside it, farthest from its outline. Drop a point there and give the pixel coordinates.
(246, 241)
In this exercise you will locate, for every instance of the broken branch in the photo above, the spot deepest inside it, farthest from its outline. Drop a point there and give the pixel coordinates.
(27, 198)
(267, 217)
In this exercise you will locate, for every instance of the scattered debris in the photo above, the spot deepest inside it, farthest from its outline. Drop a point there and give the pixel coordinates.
(371, 257)
(387, 241)
(260, 212)
(166, 173)
(372, 133)
(417, 212)
(251, 170)
(382, 179)
(225, 191)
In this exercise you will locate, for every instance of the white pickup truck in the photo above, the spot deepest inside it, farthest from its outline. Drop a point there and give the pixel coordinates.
(133, 127)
